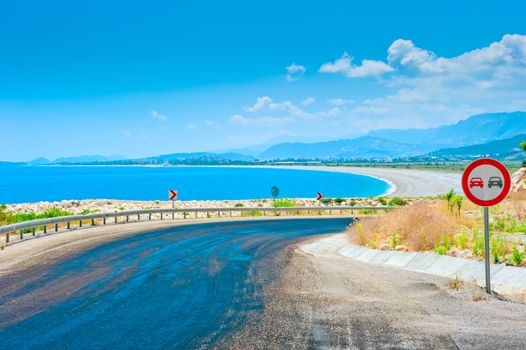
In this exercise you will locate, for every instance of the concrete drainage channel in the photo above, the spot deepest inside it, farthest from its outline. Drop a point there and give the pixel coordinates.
(504, 279)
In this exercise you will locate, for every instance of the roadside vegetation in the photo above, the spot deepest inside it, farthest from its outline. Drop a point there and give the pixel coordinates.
(449, 225)
(10, 218)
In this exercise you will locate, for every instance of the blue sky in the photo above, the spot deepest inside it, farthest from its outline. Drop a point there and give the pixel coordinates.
(144, 78)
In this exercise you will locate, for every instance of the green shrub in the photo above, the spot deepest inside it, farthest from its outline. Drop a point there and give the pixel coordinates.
(477, 240)
(443, 246)
(383, 200)
(359, 231)
(326, 201)
(339, 201)
(284, 203)
(440, 249)
(516, 256)
(397, 202)
(253, 213)
(50, 213)
(498, 248)
(394, 240)
(238, 205)
(461, 240)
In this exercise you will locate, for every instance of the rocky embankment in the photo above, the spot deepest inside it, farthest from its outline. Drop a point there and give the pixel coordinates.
(518, 181)
(109, 205)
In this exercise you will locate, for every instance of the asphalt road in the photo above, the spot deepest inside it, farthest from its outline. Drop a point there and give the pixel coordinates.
(185, 287)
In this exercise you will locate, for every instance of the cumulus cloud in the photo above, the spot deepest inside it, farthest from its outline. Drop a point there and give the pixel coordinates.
(266, 103)
(294, 71)
(339, 101)
(308, 101)
(159, 117)
(265, 121)
(367, 68)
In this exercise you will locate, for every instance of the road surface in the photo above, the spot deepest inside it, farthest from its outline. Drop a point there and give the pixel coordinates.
(236, 285)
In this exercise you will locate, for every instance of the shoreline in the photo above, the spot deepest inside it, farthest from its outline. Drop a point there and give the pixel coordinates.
(401, 182)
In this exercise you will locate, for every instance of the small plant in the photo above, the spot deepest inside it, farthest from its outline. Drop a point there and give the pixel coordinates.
(448, 196)
(238, 205)
(498, 248)
(339, 201)
(352, 202)
(397, 202)
(455, 283)
(359, 232)
(461, 240)
(394, 240)
(383, 200)
(253, 213)
(284, 203)
(326, 201)
(443, 246)
(516, 256)
(457, 201)
(372, 244)
(478, 243)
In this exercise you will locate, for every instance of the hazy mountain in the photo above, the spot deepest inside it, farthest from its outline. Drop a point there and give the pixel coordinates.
(39, 161)
(87, 159)
(76, 160)
(477, 129)
(502, 149)
(9, 163)
(202, 156)
(362, 147)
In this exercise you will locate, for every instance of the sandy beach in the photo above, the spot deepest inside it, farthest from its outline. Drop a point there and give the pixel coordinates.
(404, 182)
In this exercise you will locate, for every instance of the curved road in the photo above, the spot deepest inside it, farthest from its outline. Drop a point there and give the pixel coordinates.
(180, 287)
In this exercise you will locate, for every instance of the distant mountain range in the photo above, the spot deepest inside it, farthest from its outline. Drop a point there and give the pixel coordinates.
(400, 143)
(76, 160)
(507, 149)
(359, 148)
(492, 134)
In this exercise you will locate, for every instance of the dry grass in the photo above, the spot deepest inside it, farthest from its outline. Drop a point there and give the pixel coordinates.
(516, 203)
(418, 226)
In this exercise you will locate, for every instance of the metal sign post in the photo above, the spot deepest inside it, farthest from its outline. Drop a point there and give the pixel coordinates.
(486, 249)
(486, 182)
(275, 193)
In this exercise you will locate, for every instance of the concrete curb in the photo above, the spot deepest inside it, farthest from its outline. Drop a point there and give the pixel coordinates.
(505, 279)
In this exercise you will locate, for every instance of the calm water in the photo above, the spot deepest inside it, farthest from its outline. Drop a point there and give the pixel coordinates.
(32, 184)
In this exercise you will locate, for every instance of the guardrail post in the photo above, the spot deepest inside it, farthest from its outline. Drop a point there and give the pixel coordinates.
(80, 223)
(196, 214)
(127, 218)
(92, 222)
(230, 213)
(69, 225)
(56, 227)
(150, 217)
(218, 213)
(7, 238)
(34, 229)
(21, 234)
(138, 217)
(45, 228)
(173, 215)
(184, 215)
(104, 220)
(115, 220)
(161, 216)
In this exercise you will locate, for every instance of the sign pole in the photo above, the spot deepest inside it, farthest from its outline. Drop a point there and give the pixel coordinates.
(486, 248)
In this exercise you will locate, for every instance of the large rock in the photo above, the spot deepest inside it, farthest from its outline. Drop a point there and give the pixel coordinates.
(518, 180)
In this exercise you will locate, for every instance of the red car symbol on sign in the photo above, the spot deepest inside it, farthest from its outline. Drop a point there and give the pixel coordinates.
(476, 182)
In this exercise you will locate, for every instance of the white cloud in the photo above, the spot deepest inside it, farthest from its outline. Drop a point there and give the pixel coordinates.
(308, 101)
(339, 101)
(294, 71)
(344, 65)
(191, 126)
(159, 117)
(266, 103)
(266, 121)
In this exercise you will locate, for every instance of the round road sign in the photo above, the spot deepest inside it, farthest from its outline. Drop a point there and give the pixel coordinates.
(486, 182)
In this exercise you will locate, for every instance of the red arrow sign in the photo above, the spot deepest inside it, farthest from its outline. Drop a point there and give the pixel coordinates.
(319, 196)
(172, 195)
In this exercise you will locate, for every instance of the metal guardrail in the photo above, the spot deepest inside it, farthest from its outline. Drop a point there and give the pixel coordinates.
(148, 214)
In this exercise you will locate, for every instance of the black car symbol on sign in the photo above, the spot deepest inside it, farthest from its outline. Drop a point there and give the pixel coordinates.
(495, 181)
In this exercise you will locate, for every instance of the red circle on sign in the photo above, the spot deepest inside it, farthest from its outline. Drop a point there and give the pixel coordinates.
(466, 182)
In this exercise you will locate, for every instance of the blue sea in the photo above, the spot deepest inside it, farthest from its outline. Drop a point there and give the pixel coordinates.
(21, 184)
